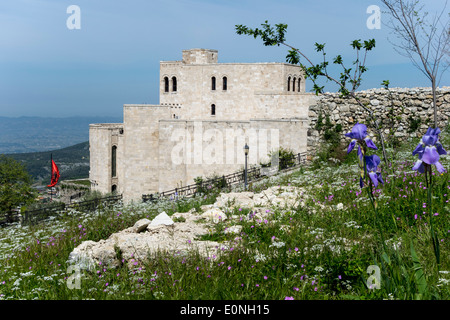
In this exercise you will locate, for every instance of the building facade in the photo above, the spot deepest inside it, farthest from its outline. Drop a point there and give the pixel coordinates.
(207, 112)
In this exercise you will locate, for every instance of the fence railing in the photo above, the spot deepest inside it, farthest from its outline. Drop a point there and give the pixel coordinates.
(34, 216)
(76, 196)
(253, 174)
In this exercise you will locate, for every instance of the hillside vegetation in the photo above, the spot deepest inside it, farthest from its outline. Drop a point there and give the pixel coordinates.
(73, 162)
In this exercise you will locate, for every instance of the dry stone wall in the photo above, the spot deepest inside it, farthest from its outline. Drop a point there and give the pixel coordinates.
(403, 112)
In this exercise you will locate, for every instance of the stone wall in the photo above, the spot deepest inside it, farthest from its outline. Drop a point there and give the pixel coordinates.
(189, 149)
(102, 137)
(398, 108)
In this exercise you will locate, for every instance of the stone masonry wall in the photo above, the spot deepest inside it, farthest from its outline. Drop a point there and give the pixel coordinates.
(398, 108)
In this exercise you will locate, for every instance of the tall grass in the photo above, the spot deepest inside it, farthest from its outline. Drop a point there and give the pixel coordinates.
(319, 249)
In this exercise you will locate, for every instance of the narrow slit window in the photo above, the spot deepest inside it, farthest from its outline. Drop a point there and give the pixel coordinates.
(166, 84)
(298, 85)
(174, 84)
(213, 109)
(289, 83)
(113, 161)
(224, 83)
(213, 83)
(293, 84)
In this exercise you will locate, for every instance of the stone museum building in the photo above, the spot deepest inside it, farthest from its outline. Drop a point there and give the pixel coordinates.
(208, 111)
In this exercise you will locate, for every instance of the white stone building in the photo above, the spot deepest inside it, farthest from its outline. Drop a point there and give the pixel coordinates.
(207, 112)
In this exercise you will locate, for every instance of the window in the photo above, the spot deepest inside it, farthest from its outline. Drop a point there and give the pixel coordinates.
(213, 109)
(289, 83)
(298, 84)
(213, 83)
(293, 84)
(114, 188)
(113, 161)
(224, 79)
(166, 84)
(174, 84)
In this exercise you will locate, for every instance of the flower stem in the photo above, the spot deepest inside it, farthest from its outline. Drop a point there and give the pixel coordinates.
(434, 238)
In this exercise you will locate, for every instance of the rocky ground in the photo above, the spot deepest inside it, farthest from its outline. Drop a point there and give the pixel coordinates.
(180, 233)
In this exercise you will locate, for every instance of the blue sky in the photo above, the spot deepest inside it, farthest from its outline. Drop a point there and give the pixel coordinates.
(48, 70)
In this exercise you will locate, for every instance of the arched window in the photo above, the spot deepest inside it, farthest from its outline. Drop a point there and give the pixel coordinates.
(213, 83)
(224, 79)
(113, 161)
(166, 84)
(289, 83)
(114, 188)
(293, 84)
(213, 109)
(298, 84)
(174, 84)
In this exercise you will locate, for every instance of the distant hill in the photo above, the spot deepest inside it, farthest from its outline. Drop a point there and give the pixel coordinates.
(73, 162)
(37, 134)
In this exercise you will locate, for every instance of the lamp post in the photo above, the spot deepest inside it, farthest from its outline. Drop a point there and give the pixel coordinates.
(246, 148)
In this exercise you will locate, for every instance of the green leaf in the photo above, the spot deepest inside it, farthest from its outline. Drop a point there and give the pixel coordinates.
(369, 45)
(386, 258)
(293, 57)
(319, 47)
(421, 281)
(338, 59)
(356, 44)
(385, 84)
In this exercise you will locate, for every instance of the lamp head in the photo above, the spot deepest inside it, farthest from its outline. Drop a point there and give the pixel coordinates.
(246, 148)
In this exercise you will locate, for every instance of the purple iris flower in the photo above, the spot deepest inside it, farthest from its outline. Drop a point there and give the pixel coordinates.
(359, 134)
(428, 151)
(372, 163)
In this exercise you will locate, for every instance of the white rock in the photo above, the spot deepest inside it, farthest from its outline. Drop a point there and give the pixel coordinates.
(80, 255)
(233, 229)
(162, 218)
(141, 225)
(215, 215)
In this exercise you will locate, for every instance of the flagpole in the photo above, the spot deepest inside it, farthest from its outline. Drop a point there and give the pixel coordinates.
(51, 166)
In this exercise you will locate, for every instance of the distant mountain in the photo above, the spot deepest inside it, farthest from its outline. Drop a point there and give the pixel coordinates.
(73, 162)
(36, 134)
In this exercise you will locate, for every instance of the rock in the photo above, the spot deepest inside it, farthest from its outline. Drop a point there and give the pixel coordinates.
(162, 218)
(215, 215)
(235, 199)
(233, 229)
(141, 225)
(206, 207)
(134, 248)
(80, 257)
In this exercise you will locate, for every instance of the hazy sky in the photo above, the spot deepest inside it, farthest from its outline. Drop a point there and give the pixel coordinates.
(47, 69)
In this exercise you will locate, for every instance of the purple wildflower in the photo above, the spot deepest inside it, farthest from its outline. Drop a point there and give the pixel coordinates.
(372, 163)
(359, 134)
(428, 150)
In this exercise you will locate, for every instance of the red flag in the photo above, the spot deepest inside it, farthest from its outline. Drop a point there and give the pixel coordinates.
(55, 175)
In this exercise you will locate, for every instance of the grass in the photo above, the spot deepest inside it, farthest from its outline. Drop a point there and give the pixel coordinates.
(320, 250)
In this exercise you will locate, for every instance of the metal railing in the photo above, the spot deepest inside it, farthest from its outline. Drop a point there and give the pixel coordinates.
(253, 174)
(34, 216)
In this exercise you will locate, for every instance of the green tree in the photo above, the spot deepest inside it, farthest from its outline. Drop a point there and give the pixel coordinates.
(349, 79)
(15, 185)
